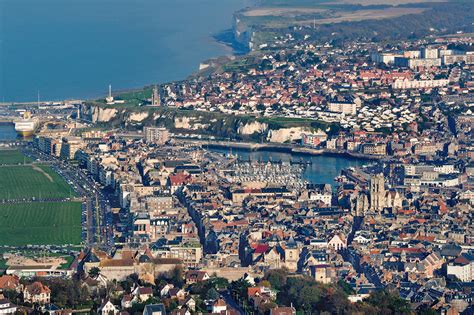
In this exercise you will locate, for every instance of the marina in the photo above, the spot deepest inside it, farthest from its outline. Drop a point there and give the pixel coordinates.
(315, 169)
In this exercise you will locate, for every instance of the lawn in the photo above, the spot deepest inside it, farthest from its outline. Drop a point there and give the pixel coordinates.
(12, 157)
(39, 181)
(45, 223)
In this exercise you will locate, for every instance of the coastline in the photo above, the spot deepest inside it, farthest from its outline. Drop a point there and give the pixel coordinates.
(227, 38)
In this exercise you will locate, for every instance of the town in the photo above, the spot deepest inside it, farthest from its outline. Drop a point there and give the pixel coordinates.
(171, 225)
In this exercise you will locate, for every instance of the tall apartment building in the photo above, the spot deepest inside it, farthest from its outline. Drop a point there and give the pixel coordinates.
(158, 135)
(69, 147)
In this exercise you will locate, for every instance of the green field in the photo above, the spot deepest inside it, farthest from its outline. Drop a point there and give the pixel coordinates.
(45, 223)
(29, 181)
(12, 157)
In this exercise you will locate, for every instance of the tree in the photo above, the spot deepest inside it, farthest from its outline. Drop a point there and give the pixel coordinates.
(388, 302)
(212, 294)
(94, 272)
(239, 287)
(177, 276)
(277, 278)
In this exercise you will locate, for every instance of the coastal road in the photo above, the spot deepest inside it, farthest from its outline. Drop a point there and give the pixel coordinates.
(96, 229)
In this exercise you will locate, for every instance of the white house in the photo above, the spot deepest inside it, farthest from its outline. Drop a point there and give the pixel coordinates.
(107, 308)
(338, 242)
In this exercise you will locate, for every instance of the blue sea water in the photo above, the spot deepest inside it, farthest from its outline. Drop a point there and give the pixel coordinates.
(7, 132)
(76, 48)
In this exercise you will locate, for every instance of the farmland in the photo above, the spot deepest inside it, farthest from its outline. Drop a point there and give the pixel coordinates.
(52, 223)
(32, 181)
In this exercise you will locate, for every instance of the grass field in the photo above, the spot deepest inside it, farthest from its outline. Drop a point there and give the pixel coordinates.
(46, 223)
(29, 181)
(12, 157)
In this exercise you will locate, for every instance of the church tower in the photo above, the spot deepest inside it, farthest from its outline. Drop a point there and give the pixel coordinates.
(377, 193)
(361, 205)
(292, 255)
(155, 97)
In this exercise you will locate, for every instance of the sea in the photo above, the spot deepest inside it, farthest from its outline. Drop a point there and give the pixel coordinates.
(64, 49)
(7, 132)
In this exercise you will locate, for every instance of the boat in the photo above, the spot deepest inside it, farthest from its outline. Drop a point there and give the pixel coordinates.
(27, 125)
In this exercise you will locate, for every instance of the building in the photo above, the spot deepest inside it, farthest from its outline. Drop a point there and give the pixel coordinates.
(414, 63)
(239, 195)
(158, 135)
(69, 147)
(419, 84)
(6, 307)
(374, 148)
(429, 53)
(313, 139)
(462, 267)
(154, 309)
(283, 310)
(107, 308)
(377, 193)
(292, 255)
(387, 58)
(37, 293)
(344, 104)
(451, 59)
(155, 97)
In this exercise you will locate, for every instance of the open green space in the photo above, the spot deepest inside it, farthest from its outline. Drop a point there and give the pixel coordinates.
(28, 181)
(12, 157)
(45, 223)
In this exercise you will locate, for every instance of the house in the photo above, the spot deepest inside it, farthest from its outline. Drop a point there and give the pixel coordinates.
(6, 307)
(107, 308)
(143, 293)
(37, 293)
(190, 304)
(219, 306)
(164, 291)
(181, 311)
(10, 282)
(177, 293)
(154, 309)
(126, 301)
(194, 276)
(283, 310)
(52, 309)
(338, 242)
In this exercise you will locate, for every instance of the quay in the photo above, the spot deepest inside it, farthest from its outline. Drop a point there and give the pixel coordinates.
(284, 148)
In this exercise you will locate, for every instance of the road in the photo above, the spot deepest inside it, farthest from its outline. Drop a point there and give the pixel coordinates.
(96, 218)
(231, 302)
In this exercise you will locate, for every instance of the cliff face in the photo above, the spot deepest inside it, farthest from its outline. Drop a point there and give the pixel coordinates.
(190, 123)
(252, 127)
(283, 135)
(138, 117)
(195, 122)
(242, 33)
(97, 114)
